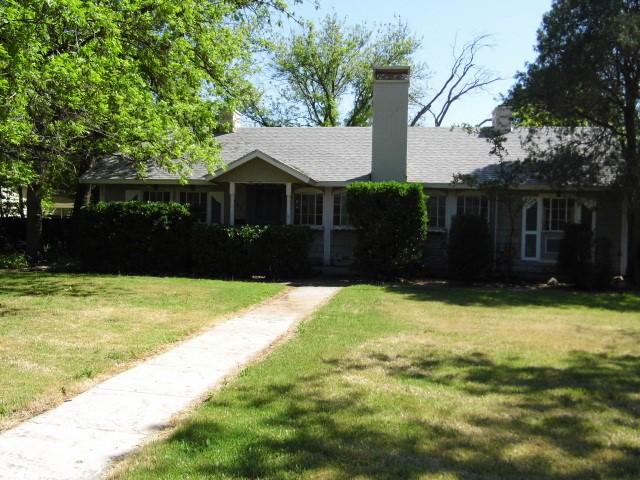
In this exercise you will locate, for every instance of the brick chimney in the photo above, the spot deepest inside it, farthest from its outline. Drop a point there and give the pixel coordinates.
(502, 118)
(390, 118)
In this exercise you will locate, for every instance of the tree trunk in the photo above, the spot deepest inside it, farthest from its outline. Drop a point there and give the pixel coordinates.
(34, 222)
(633, 264)
(82, 198)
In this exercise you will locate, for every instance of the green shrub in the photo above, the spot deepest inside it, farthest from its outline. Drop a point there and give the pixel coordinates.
(391, 222)
(576, 258)
(13, 261)
(135, 237)
(275, 251)
(469, 250)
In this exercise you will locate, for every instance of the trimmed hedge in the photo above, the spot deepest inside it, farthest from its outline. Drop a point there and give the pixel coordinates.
(135, 237)
(469, 250)
(275, 251)
(391, 221)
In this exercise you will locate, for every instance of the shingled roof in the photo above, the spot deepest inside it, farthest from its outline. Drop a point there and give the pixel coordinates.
(341, 154)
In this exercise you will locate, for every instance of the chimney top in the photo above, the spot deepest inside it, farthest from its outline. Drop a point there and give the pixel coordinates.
(396, 72)
(501, 118)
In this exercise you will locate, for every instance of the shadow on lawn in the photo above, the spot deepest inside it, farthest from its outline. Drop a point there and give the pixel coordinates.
(307, 426)
(517, 297)
(44, 284)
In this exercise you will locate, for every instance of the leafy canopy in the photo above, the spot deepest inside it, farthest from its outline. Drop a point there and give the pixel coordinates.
(146, 79)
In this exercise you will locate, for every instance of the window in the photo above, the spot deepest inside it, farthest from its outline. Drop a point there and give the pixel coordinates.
(156, 196)
(544, 221)
(198, 203)
(530, 229)
(436, 211)
(132, 195)
(340, 214)
(552, 246)
(557, 213)
(307, 209)
(473, 205)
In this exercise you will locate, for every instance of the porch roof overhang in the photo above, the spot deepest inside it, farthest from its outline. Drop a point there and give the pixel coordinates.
(257, 154)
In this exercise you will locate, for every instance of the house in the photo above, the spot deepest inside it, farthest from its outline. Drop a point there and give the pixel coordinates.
(299, 175)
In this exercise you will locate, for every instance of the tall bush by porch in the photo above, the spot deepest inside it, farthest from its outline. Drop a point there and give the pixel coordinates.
(469, 251)
(391, 221)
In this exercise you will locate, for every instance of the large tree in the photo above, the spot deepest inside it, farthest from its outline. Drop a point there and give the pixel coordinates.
(587, 72)
(318, 69)
(318, 66)
(147, 79)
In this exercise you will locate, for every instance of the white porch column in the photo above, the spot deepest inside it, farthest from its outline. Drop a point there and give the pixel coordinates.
(288, 217)
(450, 208)
(232, 203)
(327, 225)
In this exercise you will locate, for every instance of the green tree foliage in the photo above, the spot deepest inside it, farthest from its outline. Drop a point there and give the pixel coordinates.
(500, 181)
(321, 65)
(587, 72)
(146, 79)
(391, 222)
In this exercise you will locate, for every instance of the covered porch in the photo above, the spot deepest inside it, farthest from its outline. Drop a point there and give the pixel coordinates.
(259, 190)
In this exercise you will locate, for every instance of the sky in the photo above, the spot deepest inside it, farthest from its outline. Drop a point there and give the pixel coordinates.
(439, 23)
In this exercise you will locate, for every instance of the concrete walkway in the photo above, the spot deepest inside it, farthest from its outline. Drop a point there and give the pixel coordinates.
(79, 439)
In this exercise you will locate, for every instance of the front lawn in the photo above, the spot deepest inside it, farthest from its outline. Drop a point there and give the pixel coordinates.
(427, 382)
(61, 333)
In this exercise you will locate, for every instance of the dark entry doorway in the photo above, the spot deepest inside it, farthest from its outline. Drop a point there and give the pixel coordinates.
(266, 204)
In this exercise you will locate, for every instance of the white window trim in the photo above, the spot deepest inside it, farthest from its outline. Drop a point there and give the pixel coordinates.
(442, 198)
(577, 208)
(528, 203)
(341, 226)
(471, 195)
(170, 191)
(323, 203)
(577, 217)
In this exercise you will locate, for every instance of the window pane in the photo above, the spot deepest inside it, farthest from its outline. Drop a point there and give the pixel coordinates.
(530, 245)
(436, 211)
(531, 220)
(216, 208)
(307, 208)
(553, 245)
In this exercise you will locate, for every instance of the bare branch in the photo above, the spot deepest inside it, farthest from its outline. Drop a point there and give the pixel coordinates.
(465, 77)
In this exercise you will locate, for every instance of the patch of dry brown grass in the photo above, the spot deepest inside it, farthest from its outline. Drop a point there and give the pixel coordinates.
(63, 333)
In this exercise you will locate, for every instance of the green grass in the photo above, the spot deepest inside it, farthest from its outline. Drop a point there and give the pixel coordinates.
(427, 382)
(61, 333)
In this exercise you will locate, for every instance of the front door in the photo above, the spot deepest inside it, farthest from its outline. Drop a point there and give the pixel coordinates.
(266, 204)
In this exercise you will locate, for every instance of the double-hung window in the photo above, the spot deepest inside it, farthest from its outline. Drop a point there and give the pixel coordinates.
(198, 203)
(436, 211)
(340, 214)
(307, 209)
(558, 213)
(156, 196)
(473, 205)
